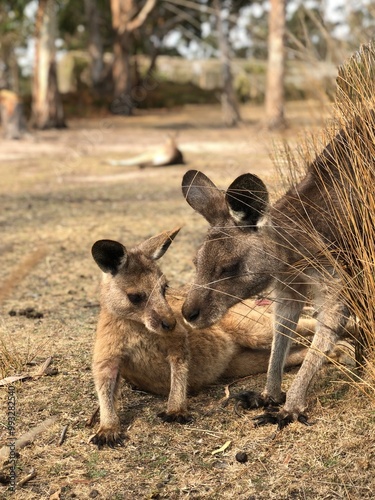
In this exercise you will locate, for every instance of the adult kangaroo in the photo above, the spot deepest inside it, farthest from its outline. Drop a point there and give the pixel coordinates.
(252, 246)
(167, 154)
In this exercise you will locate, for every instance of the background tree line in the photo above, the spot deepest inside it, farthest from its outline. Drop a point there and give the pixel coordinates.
(275, 31)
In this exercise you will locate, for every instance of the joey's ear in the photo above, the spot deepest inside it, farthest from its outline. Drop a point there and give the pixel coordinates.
(202, 195)
(155, 247)
(247, 199)
(110, 255)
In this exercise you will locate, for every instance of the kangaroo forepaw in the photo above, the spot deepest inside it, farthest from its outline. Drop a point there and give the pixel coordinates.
(281, 419)
(273, 418)
(250, 400)
(180, 418)
(247, 400)
(108, 437)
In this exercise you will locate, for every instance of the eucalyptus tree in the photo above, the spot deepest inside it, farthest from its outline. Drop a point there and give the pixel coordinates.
(47, 109)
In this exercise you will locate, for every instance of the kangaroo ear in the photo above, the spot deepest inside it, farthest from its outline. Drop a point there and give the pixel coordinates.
(247, 199)
(155, 247)
(202, 195)
(110, 255)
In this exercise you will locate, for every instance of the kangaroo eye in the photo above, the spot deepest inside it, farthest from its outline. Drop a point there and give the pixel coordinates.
(136, 298)
(230, 270)
(164, 289)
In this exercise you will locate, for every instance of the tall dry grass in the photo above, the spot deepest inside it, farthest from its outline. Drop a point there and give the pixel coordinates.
(12, 360)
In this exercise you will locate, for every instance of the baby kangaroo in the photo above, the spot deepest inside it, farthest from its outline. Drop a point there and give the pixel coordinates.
(142, 337)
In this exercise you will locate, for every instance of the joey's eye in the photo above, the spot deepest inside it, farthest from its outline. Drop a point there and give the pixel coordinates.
(230, 270)
(136, 298)
(164, 289)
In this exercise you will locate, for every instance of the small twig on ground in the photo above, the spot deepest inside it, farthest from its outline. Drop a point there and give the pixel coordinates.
(27, 438)
(27, 478)
(205, 431)
(226, 387)
(40, 372)
(63, 435)
(14, 378)
(94, 418)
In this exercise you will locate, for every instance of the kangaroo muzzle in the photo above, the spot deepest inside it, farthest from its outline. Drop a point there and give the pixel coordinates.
(190, 313)
(164, 321)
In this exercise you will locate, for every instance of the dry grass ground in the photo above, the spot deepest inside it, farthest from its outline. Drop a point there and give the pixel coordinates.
(57, 199)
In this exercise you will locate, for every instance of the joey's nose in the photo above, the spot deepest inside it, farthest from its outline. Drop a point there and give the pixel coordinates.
(168, 324)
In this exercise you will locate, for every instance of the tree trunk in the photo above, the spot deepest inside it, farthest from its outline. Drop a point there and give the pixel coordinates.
(124, 23)
(152, 64)
(231, 114)
(47, 110)
(9, 69)
(95, 47)
(56, 110)
(276, 66)
(121, 73)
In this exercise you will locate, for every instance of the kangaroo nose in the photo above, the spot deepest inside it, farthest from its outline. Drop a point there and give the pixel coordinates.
(193, 315)
(168, 325)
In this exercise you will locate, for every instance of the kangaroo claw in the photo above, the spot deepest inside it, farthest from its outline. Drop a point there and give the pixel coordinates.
(110, 439)
(303, 419)
(175, 417)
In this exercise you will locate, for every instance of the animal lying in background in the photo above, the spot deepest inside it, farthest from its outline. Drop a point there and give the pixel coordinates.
(142, 337)
(168, 154)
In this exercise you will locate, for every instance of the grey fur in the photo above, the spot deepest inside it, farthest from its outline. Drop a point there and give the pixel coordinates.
(283, 247)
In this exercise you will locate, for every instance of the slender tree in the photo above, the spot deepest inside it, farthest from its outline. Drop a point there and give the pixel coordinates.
(95, 42)
(276, 66)
(47, 110)
(126, 18)
(231, 114)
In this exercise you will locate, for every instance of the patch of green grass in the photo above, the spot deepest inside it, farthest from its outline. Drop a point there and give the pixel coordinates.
(330, 462)
(94, 467)
(57, 469)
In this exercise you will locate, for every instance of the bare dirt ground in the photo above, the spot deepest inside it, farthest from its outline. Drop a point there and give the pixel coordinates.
(57, 198)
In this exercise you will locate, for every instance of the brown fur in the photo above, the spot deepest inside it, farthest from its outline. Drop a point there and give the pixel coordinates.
(148, 343)
(167, 154)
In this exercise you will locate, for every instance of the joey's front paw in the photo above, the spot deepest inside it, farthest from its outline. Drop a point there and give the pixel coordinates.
(108, 437)
(180, 418)
(281, 419)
